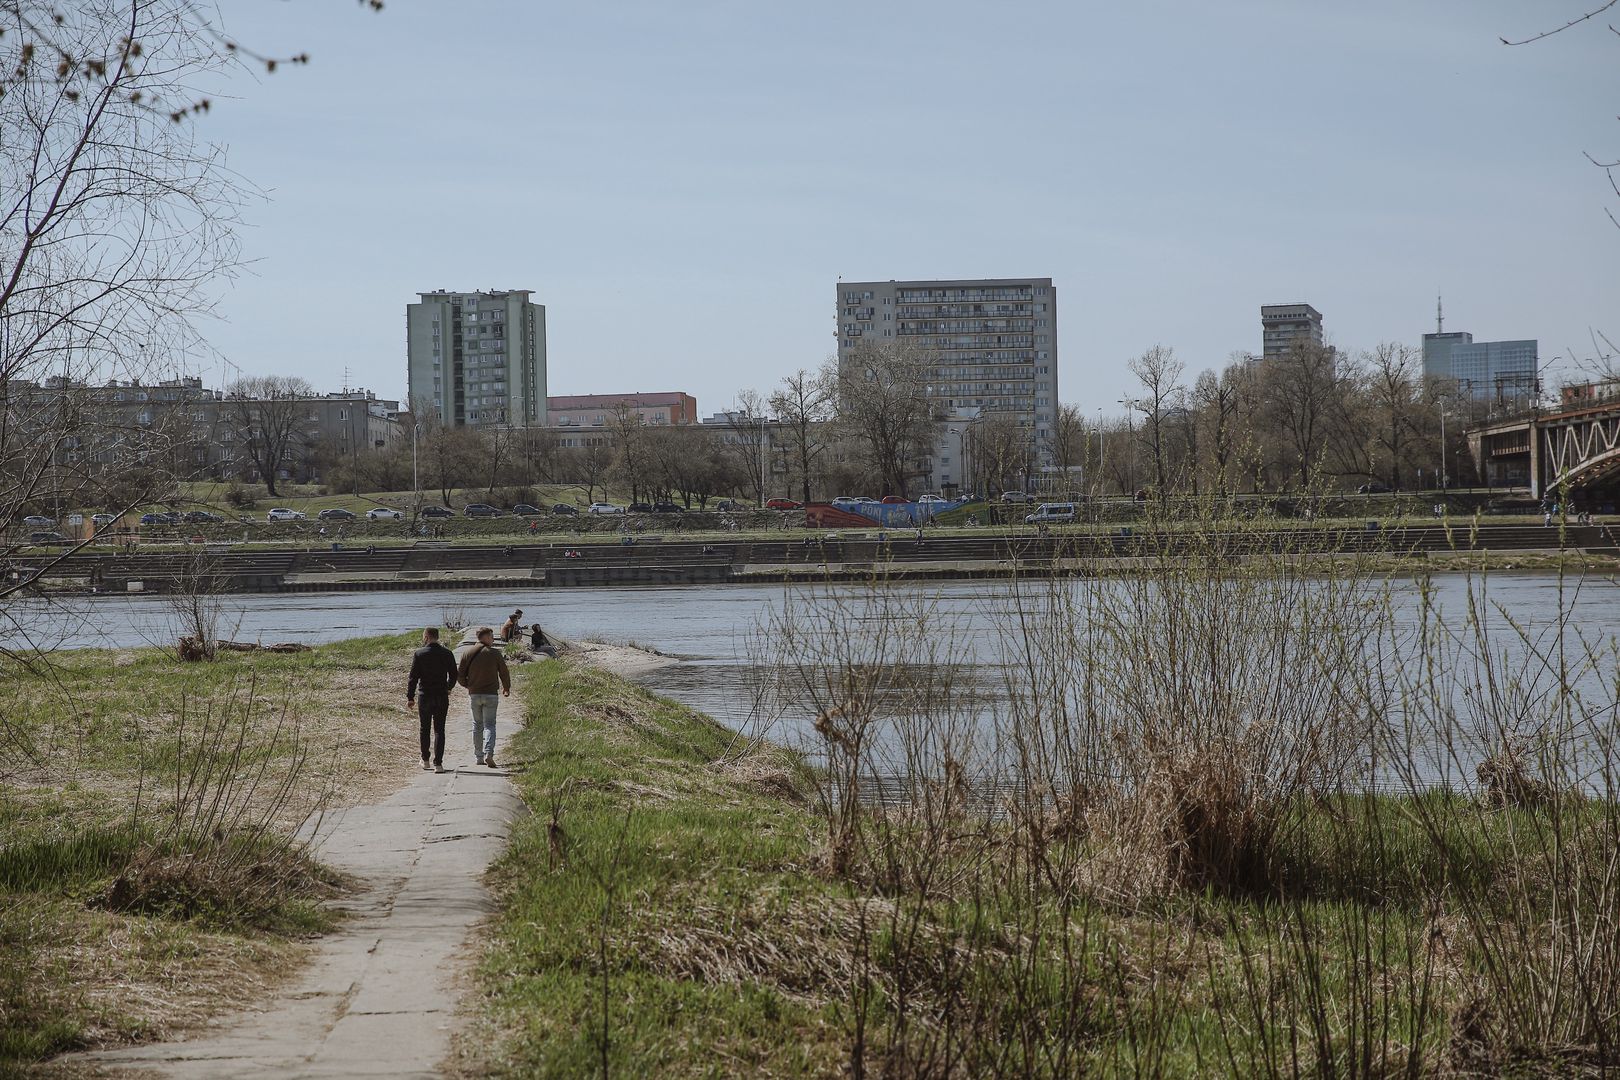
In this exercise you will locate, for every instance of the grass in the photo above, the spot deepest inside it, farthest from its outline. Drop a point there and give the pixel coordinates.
(122, 924)
(663, 914)
(650, 832)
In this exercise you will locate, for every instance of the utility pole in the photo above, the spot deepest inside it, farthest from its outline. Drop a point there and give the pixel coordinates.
(416, 475)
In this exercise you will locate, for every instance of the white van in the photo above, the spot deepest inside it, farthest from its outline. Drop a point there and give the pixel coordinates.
(1051, 513)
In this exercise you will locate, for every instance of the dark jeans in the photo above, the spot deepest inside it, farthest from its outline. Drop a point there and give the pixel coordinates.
(432, 711)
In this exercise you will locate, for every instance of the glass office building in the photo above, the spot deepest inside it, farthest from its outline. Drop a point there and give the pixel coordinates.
(1503, 370)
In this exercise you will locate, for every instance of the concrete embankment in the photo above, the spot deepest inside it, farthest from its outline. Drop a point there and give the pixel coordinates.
(835, 556)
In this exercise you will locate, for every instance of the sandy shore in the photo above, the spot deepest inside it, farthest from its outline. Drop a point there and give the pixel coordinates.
(625, 661)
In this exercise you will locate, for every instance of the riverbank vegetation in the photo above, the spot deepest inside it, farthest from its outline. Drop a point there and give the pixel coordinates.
(149, 875)
(1225, 816)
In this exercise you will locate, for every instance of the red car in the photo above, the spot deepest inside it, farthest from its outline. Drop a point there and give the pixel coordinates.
(782, 504)
(895, 499)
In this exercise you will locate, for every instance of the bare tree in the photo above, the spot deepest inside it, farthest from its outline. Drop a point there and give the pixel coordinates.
(1393, 379)
(1216, 398)
(747, 446)
(804, 406)
(633, 462)
(999, 448)
(1300, 388)
(884, 406)
(1158, 372)
(1069, 437)
(272, 413)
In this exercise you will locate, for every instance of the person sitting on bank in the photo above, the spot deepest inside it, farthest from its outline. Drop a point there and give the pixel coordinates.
(539, 643)
(513, 626)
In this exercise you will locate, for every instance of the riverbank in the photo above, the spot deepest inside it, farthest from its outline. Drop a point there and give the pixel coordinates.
(147, 879)
(679, 907)
(833, 556)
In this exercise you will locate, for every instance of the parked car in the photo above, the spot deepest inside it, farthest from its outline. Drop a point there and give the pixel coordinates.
(605, 508)
(161, 517)
(437, 511)
(639, 508)
(336, 513)
(200, 517)
(478, 510)
(1015, 496)
(1374, 488)
(101, 521)
(1051, 514)
(384, 513)
(725, 506)
(38, 521)
(46, 538)
(844, 502)
(666, 508)
(525, 510)
(281, 513)
(892, 499)
(932, 499)
(564, 508)
(782, 504)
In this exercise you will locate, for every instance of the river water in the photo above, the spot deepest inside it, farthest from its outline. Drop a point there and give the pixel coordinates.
(716, 630)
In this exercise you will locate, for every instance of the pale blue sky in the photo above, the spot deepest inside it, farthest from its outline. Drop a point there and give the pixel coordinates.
(681, 184)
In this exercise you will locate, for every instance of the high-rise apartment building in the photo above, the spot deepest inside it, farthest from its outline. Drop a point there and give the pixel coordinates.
(478, 359)
(1281, 325)
(1504, 370)
(993, 344)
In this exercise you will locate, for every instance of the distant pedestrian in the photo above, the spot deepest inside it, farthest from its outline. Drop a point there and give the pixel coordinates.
(1546, 518)
(484, 673)
(513, 626)
(433, 673)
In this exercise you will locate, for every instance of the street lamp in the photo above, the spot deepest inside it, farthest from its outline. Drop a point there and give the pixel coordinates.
(1100, 477)
(416, 475)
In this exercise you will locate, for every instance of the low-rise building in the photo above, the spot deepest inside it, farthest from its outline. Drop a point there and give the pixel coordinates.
(599, 410)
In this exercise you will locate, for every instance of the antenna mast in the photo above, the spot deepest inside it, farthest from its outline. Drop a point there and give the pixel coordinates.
(1439, 314)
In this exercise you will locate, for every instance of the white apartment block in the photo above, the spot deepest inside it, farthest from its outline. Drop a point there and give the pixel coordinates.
(994, 345)
(478, 359)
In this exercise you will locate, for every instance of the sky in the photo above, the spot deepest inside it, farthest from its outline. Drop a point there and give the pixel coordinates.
(683, 184)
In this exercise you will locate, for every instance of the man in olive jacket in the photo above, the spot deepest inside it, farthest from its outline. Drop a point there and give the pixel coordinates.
(483, 672)
(433, 671)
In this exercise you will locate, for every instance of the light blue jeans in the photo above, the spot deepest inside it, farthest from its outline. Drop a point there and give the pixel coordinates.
(483, 717)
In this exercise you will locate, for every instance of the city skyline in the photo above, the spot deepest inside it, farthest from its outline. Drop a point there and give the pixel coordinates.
(1169, 206)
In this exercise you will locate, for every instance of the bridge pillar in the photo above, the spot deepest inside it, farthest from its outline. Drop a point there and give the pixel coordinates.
(1535, 460)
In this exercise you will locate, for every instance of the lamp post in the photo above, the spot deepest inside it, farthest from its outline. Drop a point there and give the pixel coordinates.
(1101, 479)
(416, 475)
(1131, 405)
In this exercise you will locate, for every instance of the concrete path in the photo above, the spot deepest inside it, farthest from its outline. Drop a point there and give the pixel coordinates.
(378, 1000)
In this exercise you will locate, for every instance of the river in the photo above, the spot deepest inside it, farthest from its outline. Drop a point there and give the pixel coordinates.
(708, 627)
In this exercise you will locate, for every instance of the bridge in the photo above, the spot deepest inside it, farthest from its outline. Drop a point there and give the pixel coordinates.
(1575, 447)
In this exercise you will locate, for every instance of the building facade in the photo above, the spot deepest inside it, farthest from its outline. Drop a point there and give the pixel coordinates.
(1282, 325)
(1503, 371)
(478, 359)
(598, 410)
(993, 345)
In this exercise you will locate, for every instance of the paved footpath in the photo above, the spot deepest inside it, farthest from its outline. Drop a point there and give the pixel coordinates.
(378, 1000)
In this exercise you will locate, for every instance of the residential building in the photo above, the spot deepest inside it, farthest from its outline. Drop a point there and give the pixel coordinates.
(1502, 371)
(993, 344)
(1283, 325)
(598, 410)
(199, 432)
(478, 359)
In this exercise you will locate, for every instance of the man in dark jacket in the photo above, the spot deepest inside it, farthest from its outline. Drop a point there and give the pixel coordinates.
(433, 670)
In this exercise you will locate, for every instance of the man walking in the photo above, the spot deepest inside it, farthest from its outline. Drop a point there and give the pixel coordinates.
(483, 672)
(433, 671)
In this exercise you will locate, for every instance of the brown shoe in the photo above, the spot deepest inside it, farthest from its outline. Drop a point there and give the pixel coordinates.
(490, 761)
